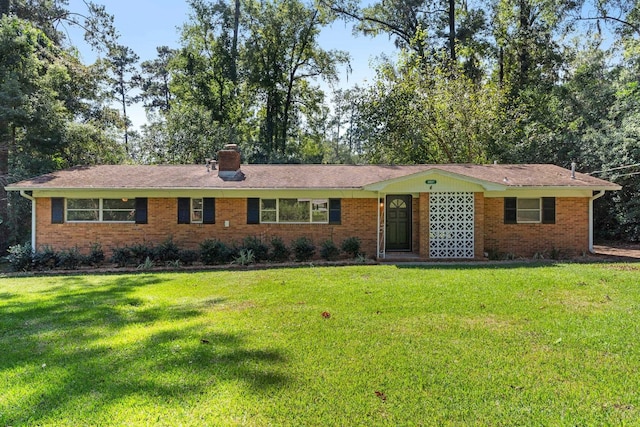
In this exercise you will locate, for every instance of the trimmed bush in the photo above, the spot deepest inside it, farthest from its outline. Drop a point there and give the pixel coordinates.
(96, 255)
(329, 250)
(213, 251)
(303, 249)
(279, 251)
(69, 259)
(255, 244)
(140, 252)
(20, 257)
(122, 256)
(45, 258)
(351, 245)
(166, 251)
(188, 256)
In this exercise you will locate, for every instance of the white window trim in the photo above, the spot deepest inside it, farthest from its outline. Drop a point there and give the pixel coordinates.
(539, 210)
(100, 212)
(192, 210)
(310, 221)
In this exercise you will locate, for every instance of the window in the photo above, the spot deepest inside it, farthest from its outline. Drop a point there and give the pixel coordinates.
(101, 210)
(294, 211)
(196, 210)
(530, 210)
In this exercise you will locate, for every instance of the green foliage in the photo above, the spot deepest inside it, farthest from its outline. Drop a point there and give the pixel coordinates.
(244, 257)
(45, 258)
(166, 251)
(329, 250)
(279, 250)
(70, 259)
(213, 251)
(122, 256)
(96, 255)
(188, 256)
(303, 249)
(259, 249)
(351, 246)
(20, 257)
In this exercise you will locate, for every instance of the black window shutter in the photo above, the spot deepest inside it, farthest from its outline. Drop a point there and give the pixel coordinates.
(57, 210)
(510, 210)
(208, 210)
(141, 210)
(184, 210)
(253, 210)
(548, 210)
(335, 211)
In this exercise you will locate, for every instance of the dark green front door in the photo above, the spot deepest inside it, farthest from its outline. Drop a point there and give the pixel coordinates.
(398, 223)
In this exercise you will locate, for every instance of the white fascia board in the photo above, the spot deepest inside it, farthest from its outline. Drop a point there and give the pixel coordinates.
(383, 185)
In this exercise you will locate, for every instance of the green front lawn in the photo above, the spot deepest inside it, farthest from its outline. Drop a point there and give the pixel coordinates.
(366, 345)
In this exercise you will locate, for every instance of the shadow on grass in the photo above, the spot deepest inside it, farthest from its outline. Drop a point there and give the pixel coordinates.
(480, 266)
(80, 345)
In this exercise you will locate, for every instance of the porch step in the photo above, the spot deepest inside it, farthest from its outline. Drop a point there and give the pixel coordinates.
(401, 257)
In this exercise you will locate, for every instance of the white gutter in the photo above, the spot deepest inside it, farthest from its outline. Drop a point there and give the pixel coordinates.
(33, 218)
(599, 194)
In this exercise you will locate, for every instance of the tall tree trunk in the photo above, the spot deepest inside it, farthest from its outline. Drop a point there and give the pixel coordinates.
(5, 143)
(524, 57)
(234, 45)
(452, 29)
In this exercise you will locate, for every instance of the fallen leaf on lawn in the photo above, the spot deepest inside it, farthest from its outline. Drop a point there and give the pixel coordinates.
(326, 314)
(381, 395)
(204, 341)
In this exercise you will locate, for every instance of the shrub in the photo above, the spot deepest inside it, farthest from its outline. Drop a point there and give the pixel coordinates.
(280, 252)
(244, 257)
(121, 256)
(20, 257)
(45, 258)
(96, 255)
(303, 249)
(329, 250)
(257, 246)
(351, 245)
(148, 264)
(69, 259)
(188, 256)
(140, 252)
(213, 251)
(166, 251)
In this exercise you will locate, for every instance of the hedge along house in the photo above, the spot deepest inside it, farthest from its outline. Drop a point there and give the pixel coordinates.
(427, 212)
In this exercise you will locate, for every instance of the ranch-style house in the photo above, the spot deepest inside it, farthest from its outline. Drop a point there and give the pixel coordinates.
(412, 212)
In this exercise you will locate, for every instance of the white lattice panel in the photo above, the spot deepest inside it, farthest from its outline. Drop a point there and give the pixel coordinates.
(451, 225)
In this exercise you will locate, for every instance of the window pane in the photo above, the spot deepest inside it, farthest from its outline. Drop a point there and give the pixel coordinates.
(124, 215)
(82, 215)
(119, 204)
(320, 210)
(196, 204)
(528, 203)
(294, 210)
(268, 216)
(529, 216)
(268, 204)
(83, 203)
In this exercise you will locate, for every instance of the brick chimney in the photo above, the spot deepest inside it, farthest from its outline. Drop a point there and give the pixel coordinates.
(229, 163)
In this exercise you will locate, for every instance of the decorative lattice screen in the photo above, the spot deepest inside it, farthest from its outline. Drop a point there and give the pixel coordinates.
(451, 225)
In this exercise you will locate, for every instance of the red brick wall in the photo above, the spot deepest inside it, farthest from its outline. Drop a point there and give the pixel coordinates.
(359, 218)
(570, 233)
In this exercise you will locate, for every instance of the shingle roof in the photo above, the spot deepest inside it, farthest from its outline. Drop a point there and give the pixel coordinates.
(299, 176)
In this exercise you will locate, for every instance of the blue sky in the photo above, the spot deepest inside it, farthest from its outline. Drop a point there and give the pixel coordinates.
(145, 24)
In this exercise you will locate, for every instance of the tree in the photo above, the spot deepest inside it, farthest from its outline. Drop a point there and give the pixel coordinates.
(154, 81)
(282, 54)
(121, 61)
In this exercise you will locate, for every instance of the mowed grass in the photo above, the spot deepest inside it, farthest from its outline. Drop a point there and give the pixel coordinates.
(366, 345)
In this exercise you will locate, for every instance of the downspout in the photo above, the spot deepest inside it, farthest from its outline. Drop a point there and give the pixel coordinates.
(378, 253)
(33, 218)
(599, 194)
